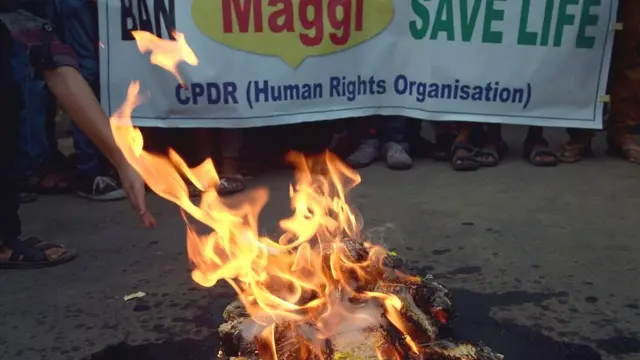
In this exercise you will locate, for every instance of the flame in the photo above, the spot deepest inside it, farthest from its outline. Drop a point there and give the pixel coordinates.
(164, 53)
(307, 278)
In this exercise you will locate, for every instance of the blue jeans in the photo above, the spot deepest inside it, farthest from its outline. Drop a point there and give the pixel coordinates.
(388, 128)
(76, 27)
(34, 148)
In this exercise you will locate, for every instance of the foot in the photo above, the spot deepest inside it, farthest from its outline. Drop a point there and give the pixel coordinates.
(575, 150)
(490, 155)
(32, 253)
(463, 157)
(537, 152)
(49, 180)
(100, 188)
(397, 157)
(625, 147)
(365, 154)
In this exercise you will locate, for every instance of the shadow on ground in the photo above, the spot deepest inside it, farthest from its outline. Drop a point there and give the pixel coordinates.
(474, 323)
(513, 340)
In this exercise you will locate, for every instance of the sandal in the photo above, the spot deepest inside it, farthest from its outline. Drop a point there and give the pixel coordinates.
(630, 152)
(538, 153)
(230, 184)
(467, 162)
(50, 181)
(573, 153)
(496, 155)
(31, 254)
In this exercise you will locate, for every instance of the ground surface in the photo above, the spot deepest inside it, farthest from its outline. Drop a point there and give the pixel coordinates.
(543, 264)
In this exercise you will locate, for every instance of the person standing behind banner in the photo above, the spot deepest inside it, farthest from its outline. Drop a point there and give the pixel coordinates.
(75, 26)
(54, 63)
(624, 85)
(382, 136)
(46, 171)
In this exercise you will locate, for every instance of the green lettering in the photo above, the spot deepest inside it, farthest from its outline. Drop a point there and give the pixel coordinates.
(526, 37)
(564, 19)
(492, 14)
(587, 19)
(419, 31)
(468, 22)
(546, 24)
(443, 21)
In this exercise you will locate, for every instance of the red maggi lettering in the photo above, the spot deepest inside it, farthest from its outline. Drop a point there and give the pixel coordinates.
(313, 21)
(341, 25)
(312, 15)
(241, 10)
(281, 20)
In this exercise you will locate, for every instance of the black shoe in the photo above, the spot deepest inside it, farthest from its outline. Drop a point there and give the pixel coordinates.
(100, 188)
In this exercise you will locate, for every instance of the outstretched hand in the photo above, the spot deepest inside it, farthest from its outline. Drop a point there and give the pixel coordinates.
(133, 185)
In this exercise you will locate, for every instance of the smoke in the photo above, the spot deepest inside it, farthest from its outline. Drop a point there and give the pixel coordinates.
(383, 234)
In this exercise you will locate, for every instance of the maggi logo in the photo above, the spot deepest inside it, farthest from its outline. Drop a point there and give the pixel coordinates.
(292, 29)
(309, 16)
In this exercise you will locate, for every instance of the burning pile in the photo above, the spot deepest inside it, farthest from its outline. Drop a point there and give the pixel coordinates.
(420, 308)
(319, 291)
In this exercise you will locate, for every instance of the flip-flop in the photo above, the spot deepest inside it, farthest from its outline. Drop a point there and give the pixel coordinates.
(31, 254)
(464, 162)
(230, 184)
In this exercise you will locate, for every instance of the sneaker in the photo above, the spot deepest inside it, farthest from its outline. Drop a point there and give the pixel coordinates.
(101, 188)
(365, 154)
(397, 157)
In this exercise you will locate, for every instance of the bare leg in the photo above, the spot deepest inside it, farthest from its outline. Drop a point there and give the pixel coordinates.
(493, 147)
(462, 153)
(536, 148)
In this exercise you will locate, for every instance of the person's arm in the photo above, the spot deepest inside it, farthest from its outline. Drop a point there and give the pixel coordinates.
(56, 63)
(78, 100)
(76, 97)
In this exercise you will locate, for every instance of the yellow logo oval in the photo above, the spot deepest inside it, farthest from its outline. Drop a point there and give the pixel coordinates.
(292, 29)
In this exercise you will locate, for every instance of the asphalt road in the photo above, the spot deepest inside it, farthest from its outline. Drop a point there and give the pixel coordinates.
(543, 264)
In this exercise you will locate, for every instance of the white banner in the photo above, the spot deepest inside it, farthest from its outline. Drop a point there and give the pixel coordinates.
(269, 62)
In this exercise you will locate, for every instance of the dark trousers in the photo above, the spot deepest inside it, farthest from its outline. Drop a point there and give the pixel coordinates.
(387, 128)
(11, 105)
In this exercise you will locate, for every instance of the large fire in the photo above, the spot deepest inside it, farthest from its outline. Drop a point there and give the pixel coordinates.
(308, 281)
